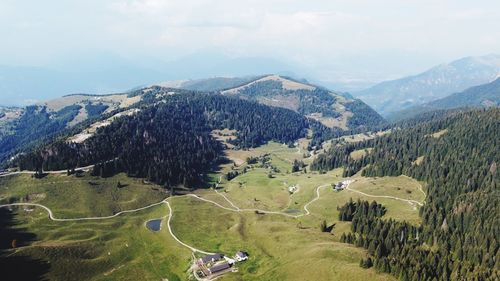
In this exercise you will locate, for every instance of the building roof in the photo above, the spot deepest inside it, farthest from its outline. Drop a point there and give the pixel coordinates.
(340, 185)
(219, 267)
(209, 258)
(241, 254)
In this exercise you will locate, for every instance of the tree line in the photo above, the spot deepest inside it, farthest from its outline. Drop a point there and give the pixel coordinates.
(170, 143)
(459, 235)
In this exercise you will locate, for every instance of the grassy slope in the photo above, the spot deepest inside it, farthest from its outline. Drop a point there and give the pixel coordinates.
(72, 196)
(286, 248)
(115, 249)
(401, 187)
(281, 248)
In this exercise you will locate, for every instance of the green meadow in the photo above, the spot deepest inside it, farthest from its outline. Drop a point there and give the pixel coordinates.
(280, 247)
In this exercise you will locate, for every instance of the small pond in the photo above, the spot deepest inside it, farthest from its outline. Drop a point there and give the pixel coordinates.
(154, 225)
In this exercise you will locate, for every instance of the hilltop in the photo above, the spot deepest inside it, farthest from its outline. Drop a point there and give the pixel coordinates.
(332, 109)
(79, 115)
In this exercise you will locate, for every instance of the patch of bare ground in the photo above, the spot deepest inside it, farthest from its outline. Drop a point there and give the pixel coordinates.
(87, 133)
(113, 101)
(339, 122)
(286, 84)
(438, 134)
(418, 161)
(9, 113)
(358, 154)
(81, 116)
(290, 102)
(361, 137)
(224, 136)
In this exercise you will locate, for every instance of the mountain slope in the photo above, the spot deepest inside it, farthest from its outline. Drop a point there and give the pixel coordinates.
(8, 115)
(457, 157)
(209, 84)
(169, 139)
(22, 127)
(334, 110)
(440, 81)
(479, 96)
(46, 120)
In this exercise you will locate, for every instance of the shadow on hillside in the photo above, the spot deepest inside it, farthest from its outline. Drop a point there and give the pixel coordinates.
(14, 266)
(203, 182)
(330, 228)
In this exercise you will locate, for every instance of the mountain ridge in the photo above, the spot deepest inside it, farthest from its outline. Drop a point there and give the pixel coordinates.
(437, 82)
(485, 95)
(333, 109)
(83, 114)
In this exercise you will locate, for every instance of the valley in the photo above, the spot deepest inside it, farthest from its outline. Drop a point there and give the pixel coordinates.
(151, 189)
(225, 221)
(155, 140)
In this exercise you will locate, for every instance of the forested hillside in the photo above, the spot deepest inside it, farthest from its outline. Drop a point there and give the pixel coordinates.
(459, 235)
(34, 124)
(340, 113)
(170, 142)
(332, 109)
(37, 123)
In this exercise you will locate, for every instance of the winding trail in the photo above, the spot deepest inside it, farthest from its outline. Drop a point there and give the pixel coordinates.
(234, 208)
(86, 168)
(386, 196)
(169, 218)
(51, 215)
(237, 209)
(193, 249)
(314, 199)
(422, 190)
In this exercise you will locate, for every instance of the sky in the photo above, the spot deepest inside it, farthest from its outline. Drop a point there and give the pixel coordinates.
(343, 41)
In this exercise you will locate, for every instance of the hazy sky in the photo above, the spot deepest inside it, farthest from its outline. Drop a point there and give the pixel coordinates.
(332, 39)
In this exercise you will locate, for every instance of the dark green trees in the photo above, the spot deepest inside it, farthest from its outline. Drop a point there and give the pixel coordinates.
(460, 231)
(170, 143)
(360, 209)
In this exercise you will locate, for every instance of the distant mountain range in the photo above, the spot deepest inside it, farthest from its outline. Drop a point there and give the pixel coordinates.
(438, 82)
(107, 73)
(485, 95)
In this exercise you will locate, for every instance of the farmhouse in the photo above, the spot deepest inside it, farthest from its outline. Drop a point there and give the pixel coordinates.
(211, 258)
(339, 186)
(219, 267)
(213, 265)
(241, 256)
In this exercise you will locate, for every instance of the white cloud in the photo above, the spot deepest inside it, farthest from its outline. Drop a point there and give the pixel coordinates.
(316, 34)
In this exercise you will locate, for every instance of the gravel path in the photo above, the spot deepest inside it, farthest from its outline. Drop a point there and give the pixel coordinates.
(386, 196)
(234, 208)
